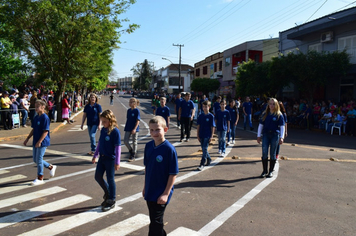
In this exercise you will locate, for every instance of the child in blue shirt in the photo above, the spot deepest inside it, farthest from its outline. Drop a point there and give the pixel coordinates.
(222, 120)
(272, 127)
(161, 169)
(216, 106)
(234, 114)
(164, 111)
(247, 109)
(41, 140)
(109, 151)
(132, 127)
(205, 131)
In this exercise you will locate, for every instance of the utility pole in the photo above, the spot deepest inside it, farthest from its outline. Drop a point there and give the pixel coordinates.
(180, 49)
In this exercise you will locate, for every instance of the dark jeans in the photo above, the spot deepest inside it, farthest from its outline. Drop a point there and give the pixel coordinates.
(106, 164)
(178, 121)
(350, 126)
(156, 212)
(6, 118)
(185, 128)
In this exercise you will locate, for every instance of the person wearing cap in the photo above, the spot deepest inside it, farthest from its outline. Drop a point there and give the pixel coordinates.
(14, 108)
(5, 110)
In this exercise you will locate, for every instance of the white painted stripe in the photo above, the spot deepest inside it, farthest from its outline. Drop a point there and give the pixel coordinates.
(125, 227)
(40, 210)
(30, 196)
(130, 166)
(225, 215)
(71, 222)
(184, 231)
(12, 178)
(4, 172)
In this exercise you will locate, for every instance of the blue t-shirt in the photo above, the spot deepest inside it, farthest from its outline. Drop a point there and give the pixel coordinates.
(160, 163)
(216, 107)
(201, 103)
(131, 118)
(92, 114)
(205, 123)
(178, 101)
(272, 123)
(187, 108)
(108, 142)
(164, 112)
(248, 107)
(40, 124)
(233, 114)
(222, 117)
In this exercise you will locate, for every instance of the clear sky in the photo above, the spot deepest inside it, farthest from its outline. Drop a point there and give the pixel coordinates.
(206, 27)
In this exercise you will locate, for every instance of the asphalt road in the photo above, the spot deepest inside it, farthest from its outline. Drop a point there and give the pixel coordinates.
(309, 195)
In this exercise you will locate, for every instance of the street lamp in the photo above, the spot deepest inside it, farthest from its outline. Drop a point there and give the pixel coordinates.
(179, 70)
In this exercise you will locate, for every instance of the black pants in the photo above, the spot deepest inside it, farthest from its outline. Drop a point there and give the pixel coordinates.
(185, 127)
(350, 126)
(156, 212)
(6, 118)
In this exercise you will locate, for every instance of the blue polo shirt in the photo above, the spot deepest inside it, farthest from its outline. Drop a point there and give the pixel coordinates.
(352, 113)
(132, 116)
(205, 123)
(92, 113)
(40, 124)
(187, 108)
(178, 101)
(108, 142)
(160, 161)
(233, 114)
(248, 107)
(222, 117)
(216, 107)
(272, 123)
(164, 112)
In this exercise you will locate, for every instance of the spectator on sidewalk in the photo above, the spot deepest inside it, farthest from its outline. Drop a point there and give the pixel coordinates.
(351, 121)
(65, 109)
(5, 110)
(335, 121)
(325, 119)
(247, 110)
(14, 108)
(50, 104)
(24, 108)
(33, 100)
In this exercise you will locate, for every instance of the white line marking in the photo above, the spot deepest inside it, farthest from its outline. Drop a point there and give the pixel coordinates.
(130, 166)
(30, 196)
(184, 231)
(4, 172)
(125, 227)
(12, 178)
(40, 210)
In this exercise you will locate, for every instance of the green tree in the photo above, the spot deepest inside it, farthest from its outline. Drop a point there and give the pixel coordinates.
(143, 71)
(66, 40)
(205, 85)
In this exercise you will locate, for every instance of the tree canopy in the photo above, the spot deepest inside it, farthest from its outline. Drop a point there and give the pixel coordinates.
(205, 85)
(143, 72)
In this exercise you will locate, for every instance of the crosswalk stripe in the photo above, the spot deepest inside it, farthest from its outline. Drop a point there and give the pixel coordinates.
(12, 178)
(184, 231)
(130, 166)
(125, 227)
(71, 222)
(30, 196)
(40, 210)
(4, 172)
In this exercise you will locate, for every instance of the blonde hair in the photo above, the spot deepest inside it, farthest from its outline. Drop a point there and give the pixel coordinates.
(163, 98)
(43, 103)
(276, 112)
(108, 114)
(158, 120)
(136, 101)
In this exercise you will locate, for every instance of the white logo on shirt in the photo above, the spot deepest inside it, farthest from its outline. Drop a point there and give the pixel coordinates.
(159, 158)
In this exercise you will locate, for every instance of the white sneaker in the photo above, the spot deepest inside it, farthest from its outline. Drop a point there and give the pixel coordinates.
(219, 151)
(233, 141)
(53, 171)
(37, 182)
(223, 154)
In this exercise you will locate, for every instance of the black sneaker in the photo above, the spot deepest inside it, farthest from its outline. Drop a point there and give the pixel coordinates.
(109, 204)
(105, 197)
(244, 128)
(251, 128)
(208, 161)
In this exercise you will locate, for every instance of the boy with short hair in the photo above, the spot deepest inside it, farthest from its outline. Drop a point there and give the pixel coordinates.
(164, 111)
(222, 120)
(205, 131)
(216, 106)
(161, 169)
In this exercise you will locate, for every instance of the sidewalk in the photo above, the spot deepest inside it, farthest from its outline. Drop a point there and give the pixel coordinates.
(22, 132)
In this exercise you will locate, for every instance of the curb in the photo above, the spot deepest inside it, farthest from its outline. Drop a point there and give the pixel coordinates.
(25, 135)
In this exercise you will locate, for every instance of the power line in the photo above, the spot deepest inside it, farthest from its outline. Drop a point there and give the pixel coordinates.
(316, 11)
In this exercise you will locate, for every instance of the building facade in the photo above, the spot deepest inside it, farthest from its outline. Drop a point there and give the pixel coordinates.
(334, 32)
(125, 83)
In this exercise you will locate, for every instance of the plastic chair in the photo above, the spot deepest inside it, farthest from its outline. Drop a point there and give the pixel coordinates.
(15, 120)
(336, 127)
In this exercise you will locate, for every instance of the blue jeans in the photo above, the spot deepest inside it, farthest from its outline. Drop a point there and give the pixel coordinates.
(106, 164)
(247, 119)
(24, 116)
(231, 134)
(204, 143)
(222, 140)
(38, 154)
(270, 140)
(92, 132)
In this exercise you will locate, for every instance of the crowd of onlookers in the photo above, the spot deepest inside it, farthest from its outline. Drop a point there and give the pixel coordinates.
(18, 106)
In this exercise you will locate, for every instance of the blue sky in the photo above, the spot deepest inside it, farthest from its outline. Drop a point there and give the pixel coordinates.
(206, 27)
